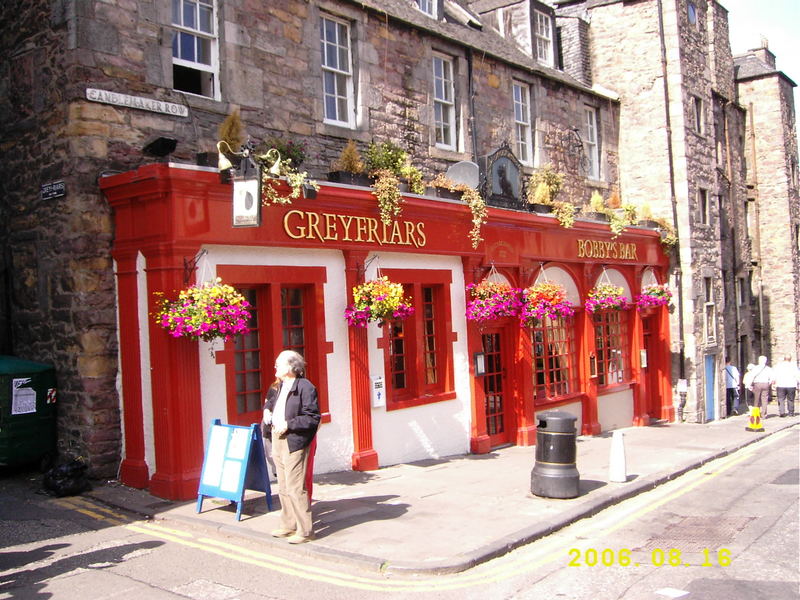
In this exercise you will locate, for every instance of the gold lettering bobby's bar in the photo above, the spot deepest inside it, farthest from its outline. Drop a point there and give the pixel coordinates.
(604, 249)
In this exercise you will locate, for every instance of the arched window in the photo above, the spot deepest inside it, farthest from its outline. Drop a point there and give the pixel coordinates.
(553, 344)
(611, 336)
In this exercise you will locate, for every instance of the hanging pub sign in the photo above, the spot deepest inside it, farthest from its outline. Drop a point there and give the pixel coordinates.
(247, 194)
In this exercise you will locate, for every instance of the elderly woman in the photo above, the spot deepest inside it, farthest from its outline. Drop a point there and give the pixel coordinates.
(291, 417)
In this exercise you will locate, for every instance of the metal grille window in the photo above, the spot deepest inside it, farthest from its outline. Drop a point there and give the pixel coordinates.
(247, 361)
(418, 352)
(522, 122)
(337, 76)
(610, 337)
(293, 319)
(554, 358)
(429, 334)
(444, 110)
(591, 146)
(194, 47)
(544, 38)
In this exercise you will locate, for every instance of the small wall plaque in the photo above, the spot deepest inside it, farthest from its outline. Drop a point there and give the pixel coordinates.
(54, 189)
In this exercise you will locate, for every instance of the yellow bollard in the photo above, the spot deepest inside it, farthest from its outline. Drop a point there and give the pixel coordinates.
(754, 420)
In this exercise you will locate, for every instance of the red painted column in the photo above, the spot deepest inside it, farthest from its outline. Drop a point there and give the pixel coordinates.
(663, 364)
(636, 344)
(586, 352)
(364, 458)
(175, 378)
(133, 470)
(479, 442)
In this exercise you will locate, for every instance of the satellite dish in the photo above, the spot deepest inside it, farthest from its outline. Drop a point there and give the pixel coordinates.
(465, 172)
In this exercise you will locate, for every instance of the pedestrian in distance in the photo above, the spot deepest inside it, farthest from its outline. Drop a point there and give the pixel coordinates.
(762, 383)
(731, 388)
(786, 378)
(747, 382)
(291, 416)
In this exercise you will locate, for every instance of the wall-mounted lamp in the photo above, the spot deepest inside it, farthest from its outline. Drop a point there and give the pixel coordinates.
(479, 360)
(592, 365)
(247, 194)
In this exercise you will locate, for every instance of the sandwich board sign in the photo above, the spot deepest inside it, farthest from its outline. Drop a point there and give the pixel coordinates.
(234, 462)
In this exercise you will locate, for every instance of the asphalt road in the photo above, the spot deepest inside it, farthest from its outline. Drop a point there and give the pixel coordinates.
(726, 531)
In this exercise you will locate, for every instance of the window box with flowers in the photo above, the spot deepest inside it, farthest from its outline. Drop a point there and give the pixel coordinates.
(377, 300)
(206, 311)
(653, 296)
(492, 300)
(544, 300)
(606, 296)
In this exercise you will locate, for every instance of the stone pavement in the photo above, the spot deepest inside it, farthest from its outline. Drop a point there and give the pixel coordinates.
(447, 515)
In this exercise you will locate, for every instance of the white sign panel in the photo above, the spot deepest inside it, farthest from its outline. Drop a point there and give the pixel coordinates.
(23, 399)
(140, 102)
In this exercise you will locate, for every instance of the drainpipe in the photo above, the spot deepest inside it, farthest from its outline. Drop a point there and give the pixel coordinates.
(734, 218)
(678, 271)
(755, 249)
(473, 122)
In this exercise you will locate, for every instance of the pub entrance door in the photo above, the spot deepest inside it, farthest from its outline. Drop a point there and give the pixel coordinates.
(497, 393)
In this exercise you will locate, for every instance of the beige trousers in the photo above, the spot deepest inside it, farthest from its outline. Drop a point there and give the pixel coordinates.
(290, 468)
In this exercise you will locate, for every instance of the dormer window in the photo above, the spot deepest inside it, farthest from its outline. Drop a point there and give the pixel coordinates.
(543, 35)
(427, 6)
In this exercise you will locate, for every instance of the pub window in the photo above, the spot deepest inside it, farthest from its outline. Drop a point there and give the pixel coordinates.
(444, 108)
(610, 338)
(285, 316)
(554, 358)
(195, 60)
(522, 122)
(418, 351)
(337, 75)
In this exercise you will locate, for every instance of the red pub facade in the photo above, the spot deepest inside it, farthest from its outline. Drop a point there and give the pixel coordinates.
(388, 395)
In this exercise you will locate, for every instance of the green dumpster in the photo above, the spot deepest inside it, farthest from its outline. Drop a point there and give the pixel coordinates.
(27, 412)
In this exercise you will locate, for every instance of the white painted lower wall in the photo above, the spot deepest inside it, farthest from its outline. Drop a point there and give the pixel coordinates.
(431, 431)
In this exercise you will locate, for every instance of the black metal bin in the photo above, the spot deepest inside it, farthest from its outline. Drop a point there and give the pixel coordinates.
(555, 475)
(27, 412)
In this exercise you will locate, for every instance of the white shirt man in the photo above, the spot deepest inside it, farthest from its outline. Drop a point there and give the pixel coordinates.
(786, 377)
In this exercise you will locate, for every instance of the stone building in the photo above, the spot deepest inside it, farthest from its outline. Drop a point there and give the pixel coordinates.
(772, 215)
(687, 109)
(88, 85)
(92, 88)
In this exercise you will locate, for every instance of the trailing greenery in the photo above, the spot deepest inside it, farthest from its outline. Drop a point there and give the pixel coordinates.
(386, 190)
(472, 198)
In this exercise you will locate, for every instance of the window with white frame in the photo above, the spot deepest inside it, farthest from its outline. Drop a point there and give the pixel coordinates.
(543, 34)
(522, 122)
(337, 74)
(195, 60)
(427, 6)
(444, 109)
(590, 142)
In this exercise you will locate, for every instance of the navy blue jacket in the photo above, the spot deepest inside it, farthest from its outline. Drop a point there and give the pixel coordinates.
(302, 412)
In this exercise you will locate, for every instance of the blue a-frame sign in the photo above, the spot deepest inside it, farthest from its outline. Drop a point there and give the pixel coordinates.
(234, 462)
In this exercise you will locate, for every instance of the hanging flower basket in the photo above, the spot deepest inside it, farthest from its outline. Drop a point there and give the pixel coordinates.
(606, 297)
(205, 311)
(652, 296)
(544, 300)
(377, 300)
(492, 300)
